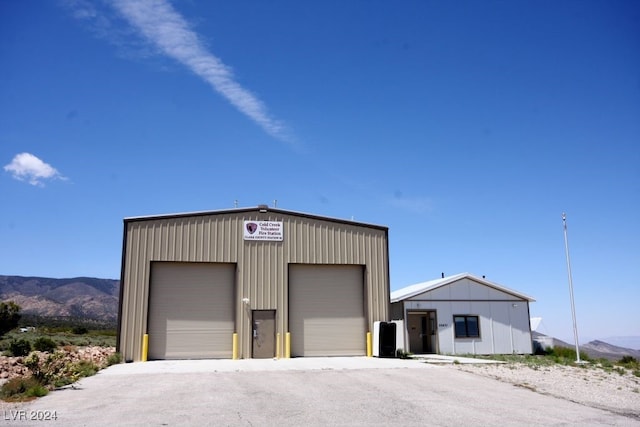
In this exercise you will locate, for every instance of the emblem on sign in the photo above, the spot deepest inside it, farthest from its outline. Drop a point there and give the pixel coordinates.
(251, 227)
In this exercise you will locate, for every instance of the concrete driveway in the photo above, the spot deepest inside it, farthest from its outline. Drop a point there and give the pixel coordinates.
(299, 392)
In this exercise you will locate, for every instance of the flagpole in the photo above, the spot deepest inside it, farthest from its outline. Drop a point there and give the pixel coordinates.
(573, 306)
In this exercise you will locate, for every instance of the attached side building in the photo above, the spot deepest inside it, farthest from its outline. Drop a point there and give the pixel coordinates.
(463, 314)
(190, 281)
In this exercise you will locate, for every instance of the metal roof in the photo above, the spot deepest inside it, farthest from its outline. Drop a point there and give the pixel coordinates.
(419, 288)
(260, 209)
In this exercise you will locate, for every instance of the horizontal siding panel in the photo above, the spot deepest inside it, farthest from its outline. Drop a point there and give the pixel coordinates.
(327, 310)
(191, 314)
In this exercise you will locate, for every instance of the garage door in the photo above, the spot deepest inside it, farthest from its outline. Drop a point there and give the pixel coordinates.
(326, 310)
(191, 312)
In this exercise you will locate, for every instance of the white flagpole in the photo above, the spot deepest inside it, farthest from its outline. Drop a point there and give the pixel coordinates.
(573, 307)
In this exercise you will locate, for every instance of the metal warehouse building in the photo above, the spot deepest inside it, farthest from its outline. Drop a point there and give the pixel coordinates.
(270, 277)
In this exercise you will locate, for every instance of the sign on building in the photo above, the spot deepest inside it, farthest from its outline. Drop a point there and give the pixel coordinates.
(263, 230)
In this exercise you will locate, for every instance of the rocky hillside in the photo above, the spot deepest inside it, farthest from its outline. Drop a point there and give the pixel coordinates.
(597, 349)
(594, 349)
(79, 297)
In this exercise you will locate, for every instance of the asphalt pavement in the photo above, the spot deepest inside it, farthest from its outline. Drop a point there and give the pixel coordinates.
(351, 391)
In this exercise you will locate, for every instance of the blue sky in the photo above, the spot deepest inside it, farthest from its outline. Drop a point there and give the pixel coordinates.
(465, 127)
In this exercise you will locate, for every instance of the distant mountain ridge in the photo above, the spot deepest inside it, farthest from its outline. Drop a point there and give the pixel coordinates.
(79, 297)
(595, 349)
(599, 349)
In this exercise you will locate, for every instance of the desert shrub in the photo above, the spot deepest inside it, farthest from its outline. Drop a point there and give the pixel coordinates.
(57, 371)
(566, 355)
(36, 391)
(114, 359)
(48, 370)
(629, 362)
(17, 387)
(605, 363)
(79, 330)
(20, 347)
(85, 368)
(44, 344)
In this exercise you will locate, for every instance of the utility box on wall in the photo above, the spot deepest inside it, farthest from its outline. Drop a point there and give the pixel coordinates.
(384, 339)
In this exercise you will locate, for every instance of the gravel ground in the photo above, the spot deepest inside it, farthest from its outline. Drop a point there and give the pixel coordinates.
(587, 385)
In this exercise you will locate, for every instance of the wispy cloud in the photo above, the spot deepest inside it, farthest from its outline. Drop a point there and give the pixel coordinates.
(27, 167)
(417, 205)
(163, 27)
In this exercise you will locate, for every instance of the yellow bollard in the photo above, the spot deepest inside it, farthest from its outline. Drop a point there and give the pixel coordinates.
(287, 345)
(278, 345)
(234, 346)
(145, 347)
(369, 346)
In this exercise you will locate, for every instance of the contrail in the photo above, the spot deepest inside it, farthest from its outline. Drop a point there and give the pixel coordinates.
(160, 24)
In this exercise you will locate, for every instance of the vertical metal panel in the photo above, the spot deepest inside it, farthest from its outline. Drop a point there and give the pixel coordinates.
(501, 328)
(261, 272)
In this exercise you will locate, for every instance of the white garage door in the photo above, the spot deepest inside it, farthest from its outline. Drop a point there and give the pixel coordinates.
(191, 312)
(326, 310)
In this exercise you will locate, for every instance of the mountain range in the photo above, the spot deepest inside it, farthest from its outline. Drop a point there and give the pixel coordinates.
(80, 297)
(594, 349)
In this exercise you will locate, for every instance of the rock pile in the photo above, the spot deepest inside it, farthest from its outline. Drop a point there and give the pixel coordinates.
(11, 367)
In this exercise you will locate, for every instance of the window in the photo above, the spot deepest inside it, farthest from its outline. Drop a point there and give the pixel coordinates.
(466, 326)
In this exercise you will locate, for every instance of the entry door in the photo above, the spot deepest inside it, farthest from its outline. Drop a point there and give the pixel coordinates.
(264, 334)
(422, 332)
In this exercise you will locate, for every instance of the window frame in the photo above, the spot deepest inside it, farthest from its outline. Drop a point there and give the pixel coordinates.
(466, 318)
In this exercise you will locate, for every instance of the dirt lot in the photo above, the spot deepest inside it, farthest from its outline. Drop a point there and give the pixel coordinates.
(614, 390)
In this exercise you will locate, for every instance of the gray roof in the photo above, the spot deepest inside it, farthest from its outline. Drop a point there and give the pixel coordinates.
(419, 288)
(260, 209)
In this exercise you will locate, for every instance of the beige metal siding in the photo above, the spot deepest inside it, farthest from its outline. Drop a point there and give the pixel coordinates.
(191, 310)
(326, 308)
(262, 267)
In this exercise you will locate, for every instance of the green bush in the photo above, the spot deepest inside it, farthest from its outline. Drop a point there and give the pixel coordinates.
(629, 362)
(20, 347)
(79, 330)
(114, 359)
(36, 391)
(85, 368)
(17, 387)
(44, 344)
(54, 370)
(566, 355)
